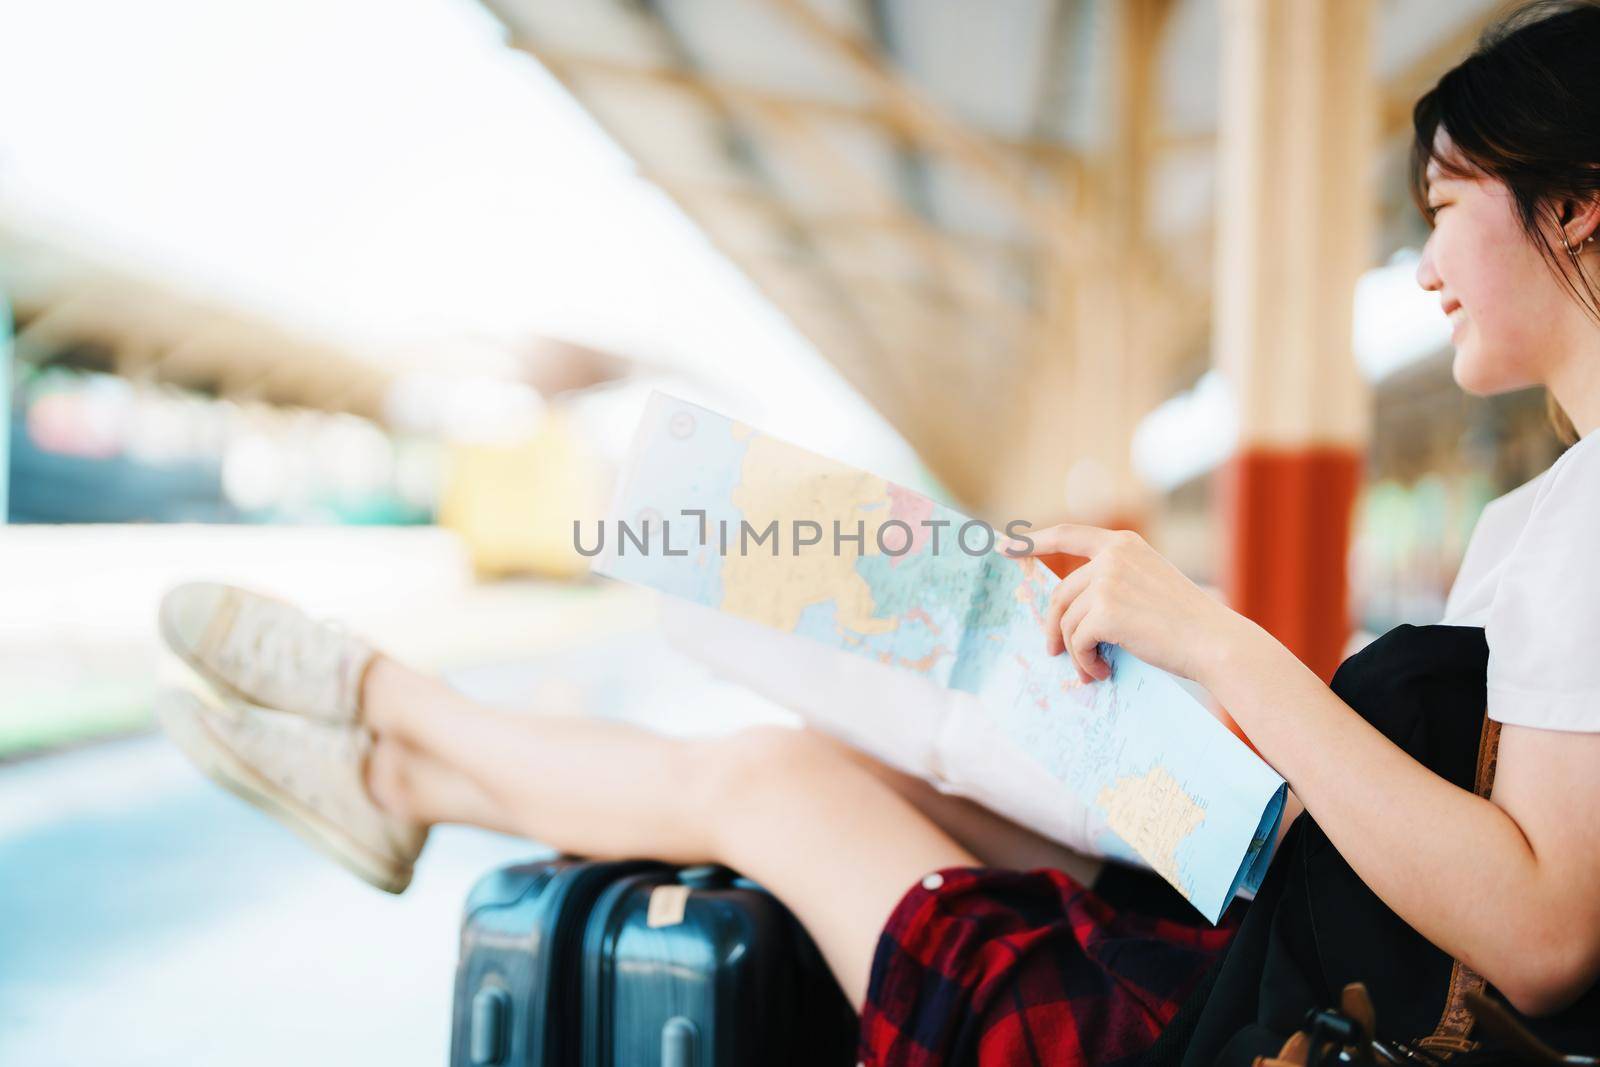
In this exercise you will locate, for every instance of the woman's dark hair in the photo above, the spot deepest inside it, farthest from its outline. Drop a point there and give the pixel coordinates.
(1524, 109)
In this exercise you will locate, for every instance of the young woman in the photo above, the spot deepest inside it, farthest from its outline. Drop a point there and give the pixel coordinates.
(1427, 866)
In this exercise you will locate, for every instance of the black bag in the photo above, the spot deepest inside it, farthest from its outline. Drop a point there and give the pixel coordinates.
(568, 963)
(1315, 927)
(1348, 1035)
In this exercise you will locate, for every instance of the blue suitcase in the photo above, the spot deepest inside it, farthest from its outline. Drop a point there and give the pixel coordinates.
(568, 963)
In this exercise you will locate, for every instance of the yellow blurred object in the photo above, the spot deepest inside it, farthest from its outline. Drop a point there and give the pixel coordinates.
(514, 503)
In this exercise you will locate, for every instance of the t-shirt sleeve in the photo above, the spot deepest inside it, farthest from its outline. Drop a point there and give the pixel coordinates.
(1543, 627)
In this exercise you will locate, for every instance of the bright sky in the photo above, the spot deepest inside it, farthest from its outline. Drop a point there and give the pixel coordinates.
(385, 173)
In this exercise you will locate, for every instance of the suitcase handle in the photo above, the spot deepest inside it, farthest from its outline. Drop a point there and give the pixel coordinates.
(707, 876)
(678, 1040)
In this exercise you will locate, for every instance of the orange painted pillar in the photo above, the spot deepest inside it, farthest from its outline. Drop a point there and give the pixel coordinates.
(1296, 211)
(1289, 513)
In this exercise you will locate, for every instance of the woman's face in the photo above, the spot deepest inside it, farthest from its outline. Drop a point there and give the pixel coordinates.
(1505, 305)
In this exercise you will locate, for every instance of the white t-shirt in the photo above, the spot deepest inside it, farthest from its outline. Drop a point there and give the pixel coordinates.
(1531, 579)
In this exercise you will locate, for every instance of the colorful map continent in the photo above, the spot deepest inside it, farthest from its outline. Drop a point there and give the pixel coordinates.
(714, 511)
(1154, 814)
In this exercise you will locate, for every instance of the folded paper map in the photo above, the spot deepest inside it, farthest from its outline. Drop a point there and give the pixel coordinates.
(722, 515)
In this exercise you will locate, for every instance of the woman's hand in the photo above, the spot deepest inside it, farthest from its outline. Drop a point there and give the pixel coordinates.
(1129, 595)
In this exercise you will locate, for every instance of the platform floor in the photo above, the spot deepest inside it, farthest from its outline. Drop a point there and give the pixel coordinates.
(148, 918)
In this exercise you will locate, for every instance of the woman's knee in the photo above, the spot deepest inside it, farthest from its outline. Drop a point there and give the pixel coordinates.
(765, 763)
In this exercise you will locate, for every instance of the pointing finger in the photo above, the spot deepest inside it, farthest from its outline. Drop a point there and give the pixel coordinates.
(1070, 538)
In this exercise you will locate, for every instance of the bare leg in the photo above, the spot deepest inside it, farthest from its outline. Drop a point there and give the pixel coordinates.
(399, 772)
(453, 797)
(832, 840)
(416, 786)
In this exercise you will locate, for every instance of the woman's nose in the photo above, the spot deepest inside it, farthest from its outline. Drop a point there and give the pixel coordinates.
(1427, 276)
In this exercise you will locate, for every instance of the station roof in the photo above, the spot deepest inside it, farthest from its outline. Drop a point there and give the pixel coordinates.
(901, 177)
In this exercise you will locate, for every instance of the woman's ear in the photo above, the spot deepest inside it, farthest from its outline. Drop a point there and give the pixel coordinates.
(1580, 221)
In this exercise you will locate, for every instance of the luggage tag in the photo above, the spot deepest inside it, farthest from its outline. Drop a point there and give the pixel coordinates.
(667, 905)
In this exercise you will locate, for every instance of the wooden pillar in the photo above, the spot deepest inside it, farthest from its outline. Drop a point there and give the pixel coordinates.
(1093, 374)
(1296, 211)
(1116, 375)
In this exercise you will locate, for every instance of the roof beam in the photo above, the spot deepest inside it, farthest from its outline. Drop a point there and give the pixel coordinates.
(578, 67)
(929, 122)
(867, 357)
(689, 187)
(911, 164)
(958, 273)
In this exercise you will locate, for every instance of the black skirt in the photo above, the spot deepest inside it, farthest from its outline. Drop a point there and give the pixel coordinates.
(1315, 926)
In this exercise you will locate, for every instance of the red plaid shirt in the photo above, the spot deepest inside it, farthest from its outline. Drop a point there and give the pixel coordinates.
(1000, 967)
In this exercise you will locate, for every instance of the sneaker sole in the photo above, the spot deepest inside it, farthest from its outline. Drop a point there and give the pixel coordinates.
(223, 766)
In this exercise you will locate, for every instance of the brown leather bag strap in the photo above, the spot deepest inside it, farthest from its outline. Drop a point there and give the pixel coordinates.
(1456, 1022)
(1488, 757)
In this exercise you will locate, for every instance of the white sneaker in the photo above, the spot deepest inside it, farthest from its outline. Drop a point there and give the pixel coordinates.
(265, 651)
(310, 775)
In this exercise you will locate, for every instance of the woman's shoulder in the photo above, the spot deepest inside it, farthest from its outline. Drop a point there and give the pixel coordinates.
(1572, 480)
(1560, 507)
(1544, 620)
(1505, 515)
(1493, 535)
(1575, 471)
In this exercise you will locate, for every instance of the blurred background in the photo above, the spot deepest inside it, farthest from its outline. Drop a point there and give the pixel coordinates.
(357, 301)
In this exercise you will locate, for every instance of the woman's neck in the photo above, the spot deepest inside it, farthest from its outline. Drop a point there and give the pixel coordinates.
(1575, 380)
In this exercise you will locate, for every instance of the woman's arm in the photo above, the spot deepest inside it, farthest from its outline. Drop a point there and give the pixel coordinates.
(1510, 886)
